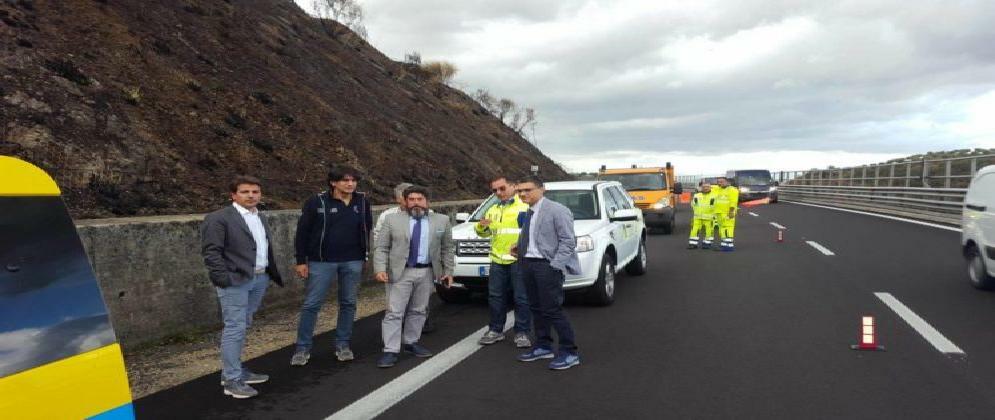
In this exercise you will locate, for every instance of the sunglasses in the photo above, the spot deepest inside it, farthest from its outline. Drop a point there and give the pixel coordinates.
(501, 188)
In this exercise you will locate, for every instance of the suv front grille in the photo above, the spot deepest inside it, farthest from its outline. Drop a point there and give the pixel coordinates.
(473, 247)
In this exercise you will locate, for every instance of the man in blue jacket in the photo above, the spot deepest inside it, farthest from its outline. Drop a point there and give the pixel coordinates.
(332, 242)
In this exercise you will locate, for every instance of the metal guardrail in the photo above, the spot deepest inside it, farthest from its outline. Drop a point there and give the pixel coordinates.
(926, 189)
(934, 204)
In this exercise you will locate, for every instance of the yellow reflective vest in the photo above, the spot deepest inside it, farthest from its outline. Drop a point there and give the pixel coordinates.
(503, 230)
(725, 199)
(704, 205)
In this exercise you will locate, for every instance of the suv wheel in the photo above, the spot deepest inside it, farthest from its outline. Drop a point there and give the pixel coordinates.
(452, 295)
(602, 292)
(637, 266)
(977, 271)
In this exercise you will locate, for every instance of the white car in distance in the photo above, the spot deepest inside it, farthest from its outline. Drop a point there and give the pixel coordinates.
(978, 229)
(610, 233)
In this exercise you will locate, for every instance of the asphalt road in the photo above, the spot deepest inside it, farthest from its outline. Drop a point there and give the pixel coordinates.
(763, 332)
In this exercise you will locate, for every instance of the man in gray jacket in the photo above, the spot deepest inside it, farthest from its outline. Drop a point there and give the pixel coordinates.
(546, 250)
(238, 254)
(412, 249)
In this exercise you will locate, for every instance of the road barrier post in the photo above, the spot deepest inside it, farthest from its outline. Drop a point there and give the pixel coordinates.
(868, 336)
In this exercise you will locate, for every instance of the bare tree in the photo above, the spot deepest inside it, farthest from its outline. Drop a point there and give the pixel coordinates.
(441, 71)
(505, 106)
(485, 99)
(346, 12)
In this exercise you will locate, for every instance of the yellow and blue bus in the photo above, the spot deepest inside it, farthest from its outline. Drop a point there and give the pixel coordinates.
(59, 357)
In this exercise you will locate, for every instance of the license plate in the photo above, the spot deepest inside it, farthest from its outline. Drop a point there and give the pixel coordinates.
(484, 270)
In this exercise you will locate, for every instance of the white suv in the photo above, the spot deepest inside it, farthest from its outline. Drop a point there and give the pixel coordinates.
(978, 224)
(610, 235)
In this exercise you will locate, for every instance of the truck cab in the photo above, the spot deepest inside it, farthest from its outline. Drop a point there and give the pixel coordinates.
(753, 184)
(653, 189)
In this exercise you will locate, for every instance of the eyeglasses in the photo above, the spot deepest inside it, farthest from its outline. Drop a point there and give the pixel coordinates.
(524, 190)
(501, 188)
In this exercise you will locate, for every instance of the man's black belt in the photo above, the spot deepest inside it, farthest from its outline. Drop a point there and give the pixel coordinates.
(419, 265)
(536, 259)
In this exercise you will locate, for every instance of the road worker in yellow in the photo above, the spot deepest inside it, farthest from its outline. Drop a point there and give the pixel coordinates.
(703, 205)
(726, 207)
(500, 224)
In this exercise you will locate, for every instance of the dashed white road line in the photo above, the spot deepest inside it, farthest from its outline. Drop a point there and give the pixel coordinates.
(385, 397)
(777, 226)
(941, 343)
(883, 216)
(821, 248)
(754, 214)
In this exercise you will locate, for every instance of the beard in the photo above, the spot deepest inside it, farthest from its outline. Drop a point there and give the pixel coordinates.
(417, 212)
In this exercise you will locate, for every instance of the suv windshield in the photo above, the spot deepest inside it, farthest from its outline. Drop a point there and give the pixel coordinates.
(638, 182)
(582, 203)
(753, 178)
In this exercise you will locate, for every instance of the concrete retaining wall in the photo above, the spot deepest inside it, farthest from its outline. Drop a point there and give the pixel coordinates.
(153, 277)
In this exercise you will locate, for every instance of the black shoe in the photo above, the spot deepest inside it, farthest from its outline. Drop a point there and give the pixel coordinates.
(417, 350)
(387, 360)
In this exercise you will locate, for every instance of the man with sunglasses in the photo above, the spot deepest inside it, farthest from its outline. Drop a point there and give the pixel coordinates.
(500, 224)
(547, 251)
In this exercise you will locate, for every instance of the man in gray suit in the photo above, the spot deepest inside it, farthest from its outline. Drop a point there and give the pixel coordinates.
(546, 250)
(412, 249)
(238, 253)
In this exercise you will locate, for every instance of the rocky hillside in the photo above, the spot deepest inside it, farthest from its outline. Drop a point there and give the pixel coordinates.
(148, 106)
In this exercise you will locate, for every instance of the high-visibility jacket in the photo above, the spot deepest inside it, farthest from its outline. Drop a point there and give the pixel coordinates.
(725, 199)
(704, 205)
(503, 230)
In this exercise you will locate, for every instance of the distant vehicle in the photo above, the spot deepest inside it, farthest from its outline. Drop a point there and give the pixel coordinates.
(978, 229)
(610, 233)
(653, 189)
(754, 184)
(59, 357)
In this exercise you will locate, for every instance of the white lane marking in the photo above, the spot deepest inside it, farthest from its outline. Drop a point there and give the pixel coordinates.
(754, 214)
(821, 248)
(376, 402)
(777, 226)
(883, 216)
(941, 343)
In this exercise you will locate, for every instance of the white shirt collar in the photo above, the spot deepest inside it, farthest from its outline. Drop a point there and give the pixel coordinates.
(243, 211)
(535, 207)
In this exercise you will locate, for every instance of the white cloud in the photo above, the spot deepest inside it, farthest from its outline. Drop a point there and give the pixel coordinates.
(774, 81)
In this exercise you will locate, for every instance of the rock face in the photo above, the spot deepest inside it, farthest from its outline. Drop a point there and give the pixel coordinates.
(148, 107)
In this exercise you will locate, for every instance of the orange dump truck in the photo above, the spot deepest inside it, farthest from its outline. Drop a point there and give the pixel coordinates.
(653, 189)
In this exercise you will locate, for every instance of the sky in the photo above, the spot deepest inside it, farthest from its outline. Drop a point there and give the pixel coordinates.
(714, 85)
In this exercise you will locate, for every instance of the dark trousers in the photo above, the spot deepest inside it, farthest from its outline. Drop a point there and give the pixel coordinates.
(544, 285)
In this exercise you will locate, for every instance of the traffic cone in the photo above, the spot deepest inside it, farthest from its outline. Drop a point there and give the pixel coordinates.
(780, 235)
(868, 336)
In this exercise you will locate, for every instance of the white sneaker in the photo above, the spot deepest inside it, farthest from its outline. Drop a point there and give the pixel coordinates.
(490, 337)
(522, 340)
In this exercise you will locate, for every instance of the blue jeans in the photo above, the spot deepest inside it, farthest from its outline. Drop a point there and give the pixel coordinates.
(238, 304)
(319, 279)
(505, 278)
(545, 287)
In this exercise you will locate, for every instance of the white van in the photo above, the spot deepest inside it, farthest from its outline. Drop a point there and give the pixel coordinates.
(978, 236)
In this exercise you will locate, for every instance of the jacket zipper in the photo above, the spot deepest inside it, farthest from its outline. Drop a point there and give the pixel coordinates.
(324, 225)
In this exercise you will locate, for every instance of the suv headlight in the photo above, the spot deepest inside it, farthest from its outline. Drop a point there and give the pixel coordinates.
(744, 189)
(585, 243)
(663, 202)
